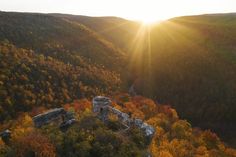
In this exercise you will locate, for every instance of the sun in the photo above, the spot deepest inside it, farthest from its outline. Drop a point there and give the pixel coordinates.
(148, 21)
(149, 11)
(148, 17)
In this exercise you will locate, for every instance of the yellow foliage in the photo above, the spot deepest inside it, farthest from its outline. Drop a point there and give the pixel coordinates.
(230, 152)
(117, 106)
(164, 153)
(159, 120)
(202, 151)
(23, 127)
(180, 148)
(154, 146)
(113, 117)
(181, 129)
(174, 114)
(27, 121)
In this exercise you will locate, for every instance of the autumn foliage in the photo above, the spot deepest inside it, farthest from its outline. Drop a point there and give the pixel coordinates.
(91, 137)
(31, 81)
(34, 144)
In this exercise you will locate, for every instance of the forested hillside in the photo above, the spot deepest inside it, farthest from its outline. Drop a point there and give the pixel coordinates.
(58, 38)
(120, 32)
(28, 79)
(91, 137)
(193, 68)
(186, 62)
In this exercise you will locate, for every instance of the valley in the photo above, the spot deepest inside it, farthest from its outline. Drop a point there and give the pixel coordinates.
(182, 68)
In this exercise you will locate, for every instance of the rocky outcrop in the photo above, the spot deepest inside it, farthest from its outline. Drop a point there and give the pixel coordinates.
(102, 107)
(49, 116)
(58, 114)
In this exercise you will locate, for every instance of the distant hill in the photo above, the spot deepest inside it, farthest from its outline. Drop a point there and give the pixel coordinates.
(59, 38)
(119, 31)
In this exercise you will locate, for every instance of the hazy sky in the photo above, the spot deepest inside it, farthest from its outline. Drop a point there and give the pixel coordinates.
(147, 10)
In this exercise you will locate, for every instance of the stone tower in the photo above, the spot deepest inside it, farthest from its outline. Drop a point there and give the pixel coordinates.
(100, 102)
(101, 106)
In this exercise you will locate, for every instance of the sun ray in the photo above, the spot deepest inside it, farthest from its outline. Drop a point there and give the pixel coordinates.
(140, 53)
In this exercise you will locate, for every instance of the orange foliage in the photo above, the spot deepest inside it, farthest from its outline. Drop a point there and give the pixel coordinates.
(132, 108)
(230, 152)
(37, 110)
(141, 107)
(79, 105)
(167, 110)
(1, 143)
(164, 153)
(201, 150)
(67, 106)
(34, 143)
(82, 105)
(211, 139)
(117, 106)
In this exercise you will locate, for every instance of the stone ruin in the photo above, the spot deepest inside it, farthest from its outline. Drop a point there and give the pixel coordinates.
(102, 107)
(58, 115)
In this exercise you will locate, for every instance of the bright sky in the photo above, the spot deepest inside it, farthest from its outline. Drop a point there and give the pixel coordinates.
(143, 10)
